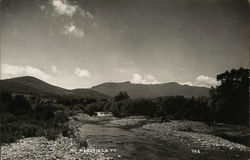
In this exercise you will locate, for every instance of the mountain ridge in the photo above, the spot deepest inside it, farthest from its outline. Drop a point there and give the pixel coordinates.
(32, 85)
(151, 90)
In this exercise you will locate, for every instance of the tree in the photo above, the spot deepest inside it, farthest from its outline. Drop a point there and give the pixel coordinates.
(44, 112)
(19, 105)
(121, 96)
(116, 108)
(230, 100)
(91, 108)
(5, 101)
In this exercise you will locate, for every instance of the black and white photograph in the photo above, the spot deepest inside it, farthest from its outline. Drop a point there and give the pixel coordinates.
(124, 79)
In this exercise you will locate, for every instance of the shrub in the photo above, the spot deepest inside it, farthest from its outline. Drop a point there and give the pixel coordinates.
(28, 130)
(91, 109)
(82, 142)
(19, 106)
(60, 117)
(116, 109)
(44, 112)
(40, 132)
(8, 118)
(6, 133)
(51, 133)
(66, 131)
(59, 107)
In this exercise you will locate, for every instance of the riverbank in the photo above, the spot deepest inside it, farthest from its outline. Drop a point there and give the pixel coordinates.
(39, 148)
(132, 138)
(63, 148)
(195, 132)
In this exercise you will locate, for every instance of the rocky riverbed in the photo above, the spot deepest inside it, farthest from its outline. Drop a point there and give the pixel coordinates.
(39, 148)
(196, 132)
(106, 138)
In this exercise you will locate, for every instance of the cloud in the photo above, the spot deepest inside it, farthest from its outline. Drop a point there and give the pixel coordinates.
(71, 12)
(82, 73)
(203, 81)
(124, 70)
(89, 15)
(43, 7)
(206, 81)
(62, 7)
(146, 79)
(55, 69)
(121, 70)
(10, 71)
(186, 83)
(72, 30)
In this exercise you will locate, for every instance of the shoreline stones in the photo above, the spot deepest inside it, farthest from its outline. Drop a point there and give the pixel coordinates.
(40, 148)
(200, 134)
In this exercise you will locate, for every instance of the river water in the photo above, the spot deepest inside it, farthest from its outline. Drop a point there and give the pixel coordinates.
(140, 144)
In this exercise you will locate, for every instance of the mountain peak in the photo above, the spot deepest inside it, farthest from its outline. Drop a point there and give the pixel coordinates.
(25, 78)
(32, 85)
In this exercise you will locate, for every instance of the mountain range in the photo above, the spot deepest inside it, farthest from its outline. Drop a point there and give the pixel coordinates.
(151, 90)
(31, 85)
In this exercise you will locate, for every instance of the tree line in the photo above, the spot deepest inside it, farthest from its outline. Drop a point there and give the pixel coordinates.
(227, 103)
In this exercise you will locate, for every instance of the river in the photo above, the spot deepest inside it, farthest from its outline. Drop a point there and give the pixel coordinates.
(140, 144)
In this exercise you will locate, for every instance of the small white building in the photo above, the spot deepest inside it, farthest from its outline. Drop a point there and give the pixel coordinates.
(103, 114)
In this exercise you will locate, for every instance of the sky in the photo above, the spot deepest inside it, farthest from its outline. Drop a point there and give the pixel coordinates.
(83, 43)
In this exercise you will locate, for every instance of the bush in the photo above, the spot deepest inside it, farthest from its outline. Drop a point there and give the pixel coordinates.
(8, 118)
(28, 130)
(19, 106)
(60, 117)
(40, 132)
(82, 142)
(91, 109)
(9, 133)
(20, 120)
(44, 112)
(51, 133)
(66, 131)
(59, 107)
(116, 109)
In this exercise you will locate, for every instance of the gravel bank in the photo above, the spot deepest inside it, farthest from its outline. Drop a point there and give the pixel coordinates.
(63, 148)
(195, 132)
(39, 148)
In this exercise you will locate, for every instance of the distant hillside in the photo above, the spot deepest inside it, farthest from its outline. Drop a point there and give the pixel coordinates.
(150, 90)
(31, 85)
